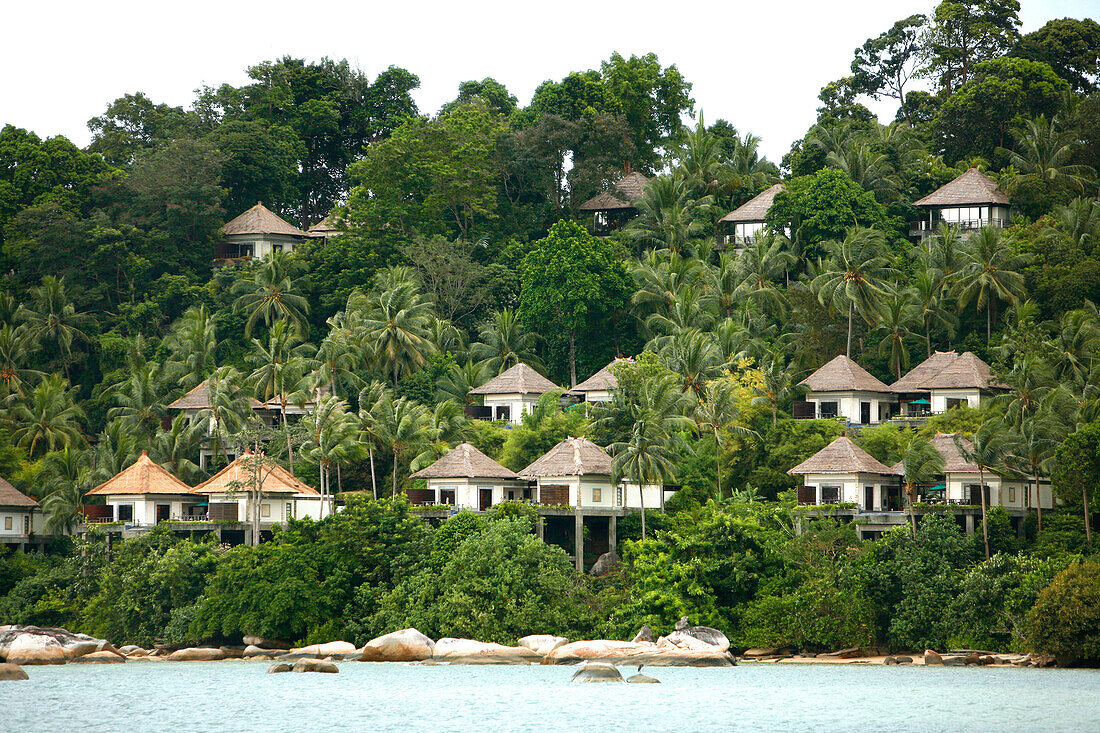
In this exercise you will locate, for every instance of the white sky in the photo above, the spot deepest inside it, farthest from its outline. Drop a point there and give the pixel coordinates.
(757, 64)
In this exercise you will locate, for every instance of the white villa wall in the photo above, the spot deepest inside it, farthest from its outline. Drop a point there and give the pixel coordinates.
(939, 397)
(1009, 493)
(22, 522)
(852, 486)
(301, 506)
(517, 404)
(468, 491)
(597, 395)
(848, 404)
(145, 505)
(265, 244)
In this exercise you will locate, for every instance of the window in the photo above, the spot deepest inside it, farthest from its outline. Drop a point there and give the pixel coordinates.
(828, 410)
(619, 496)
(1012, 494)
(7, 523)
(597, 494)
(276, 248)
(125, 512)
(830, 494)
(26, 524)
(289, 510)
(265, 510)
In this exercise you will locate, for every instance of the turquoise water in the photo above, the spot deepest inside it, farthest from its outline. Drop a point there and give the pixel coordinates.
(241, 697)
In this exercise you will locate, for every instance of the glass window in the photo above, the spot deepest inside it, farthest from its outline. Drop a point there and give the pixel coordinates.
(125, 512)
(1012, 494)
(265, 510)
(597, 494)
(619, 496)
(7, 522)
(26, 524)
(289, 510)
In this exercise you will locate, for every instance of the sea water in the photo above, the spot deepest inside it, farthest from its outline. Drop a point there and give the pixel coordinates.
(239, 696)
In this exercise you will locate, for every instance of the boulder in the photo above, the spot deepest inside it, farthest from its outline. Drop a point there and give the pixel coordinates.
(606, 564)
(931, 657)
(265, 643)
(232, 652)
(315, 665)
(757, 652)
(336, 649)
(597, 672)
(644, 634)
(468, 651)
(35, 649)
(37, 645)
(542, 644)
(954, 661)
(407, 645)
(104, 657)
(196, 654)
(849, 653)
(686, 635)
(252, 651)
(643, 679)
(133, 650)
(9, 671)
(628, 652)
(279, 667)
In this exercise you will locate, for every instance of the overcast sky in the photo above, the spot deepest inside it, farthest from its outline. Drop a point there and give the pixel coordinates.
(758, 65)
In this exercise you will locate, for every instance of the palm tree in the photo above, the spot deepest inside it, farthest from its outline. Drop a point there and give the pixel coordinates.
(716, 410)
(229, 409)
(16, 347)
(402, 425)
(331, 439)
(761, 266)
(280, 366)
(370, 418)
(1044, 152)
(928, 291)
(691, 307)
(193, 343)
(446, 337)
(987, 449)
(1074, 346)
(700, 161)
(337, 359)
(1080, 222)
(115, 449)
(921, 464)
(867, 166)
(48, 417)
(668, 216)
(505, 343)
(645, 459)
(65, 479)
(856, 275)
(990, 274)
(776, 383)
(140, 396)
(1030, 385)
(899, 314)
(174, 447)
(53, 318)
(1032, 447)
(449, 427)
(694, 356)
(395, 327)
(270, 296)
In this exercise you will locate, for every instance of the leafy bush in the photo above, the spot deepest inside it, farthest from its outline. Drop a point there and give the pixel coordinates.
(1065, 620)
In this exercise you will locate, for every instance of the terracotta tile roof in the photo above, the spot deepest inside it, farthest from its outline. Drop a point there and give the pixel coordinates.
(143, 477)
(923, 372)
(261, 220)
(13, 497)
(842, 456)
(756, 208)
(465, 461)
(278, 481)
(622, 195)
(972, 187)
(199, 399)
(842, 375)
(571, 457)
(602, 380)
(967, 371)
(519, 379)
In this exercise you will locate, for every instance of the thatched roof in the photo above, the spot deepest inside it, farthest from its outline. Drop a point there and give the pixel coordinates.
(843, 375)
(622, 195)
(465, 461)
(965, 372)
(756, 208)
(199, 399)
(571, 457)
(261, 220)
(928, 369)
(13, 497)
(276, 480)
(519, 379)
(143, 477)
(842, 456)
(969, 189)
(325, 228)
(953, 460)
(602, 380)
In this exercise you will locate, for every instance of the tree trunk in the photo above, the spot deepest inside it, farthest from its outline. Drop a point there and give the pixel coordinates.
(289, 447)
(775, 418)
(1088, 522)
(641, 503)
(912, 512)
(717, 460)
(851, 311)
(1038, 500)
(373, 485)
(572, 358)
(393, 494)
(985, 522)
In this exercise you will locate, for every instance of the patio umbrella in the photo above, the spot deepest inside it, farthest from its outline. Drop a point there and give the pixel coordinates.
(921, 401)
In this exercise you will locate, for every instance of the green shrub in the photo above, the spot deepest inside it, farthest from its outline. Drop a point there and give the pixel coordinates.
(1065, 620)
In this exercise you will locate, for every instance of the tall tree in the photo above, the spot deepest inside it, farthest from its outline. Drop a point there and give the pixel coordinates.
(965, 32)
(991, 274)
(986, 449)
(921, 464)
(271, 295)
(395, 324)
(884, 65)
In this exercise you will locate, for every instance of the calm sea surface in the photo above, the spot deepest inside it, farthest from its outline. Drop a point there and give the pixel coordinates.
(240, 697)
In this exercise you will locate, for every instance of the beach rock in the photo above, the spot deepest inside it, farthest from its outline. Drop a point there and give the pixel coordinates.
(9, 671)
(849, 653)
(954, 661)
(232, 652)
(407, 645)
(252, 651)
(279, 667)
(337, 649)
(468, 651)
(104, 657)
(597, 672)
(38, 645)
(542, 644)
(133, 650)
(315, 665)
(196, 654)
(265, 643)
(628, 652)
(606, 564)
(643, 679)
(897, 660)
(931, 657)
(686, 635)
(757, 652)
(644, 634)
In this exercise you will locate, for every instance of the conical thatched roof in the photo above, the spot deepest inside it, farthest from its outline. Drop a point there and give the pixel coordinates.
(519, 379)
(465, 461)
(969, 189)
(841, 456)
(13, 497)
(571, 457)
(261, 220)
(953, 460)
(199, 399)
(276, 480)
(842, 375)
(324, 228)
(622, 196)
(143, 477)
(915, 379)
(967, 371)
(601, 381)
(756, 208)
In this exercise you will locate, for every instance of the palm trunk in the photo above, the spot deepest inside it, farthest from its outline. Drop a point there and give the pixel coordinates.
(641, 503)
(775, 417)
(912, 512)
(289, 447)
(985, 523)
(1088, 522)
(851, 311)
(1038, 500)
(394, 493)
(572, 358)
(717, 460)
(373, 485)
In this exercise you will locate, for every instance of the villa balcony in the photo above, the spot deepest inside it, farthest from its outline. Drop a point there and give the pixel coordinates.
(926, 229)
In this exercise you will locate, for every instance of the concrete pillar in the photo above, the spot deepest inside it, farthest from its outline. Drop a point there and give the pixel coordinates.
(798, 526)
(612, 532)
(970, 524)
(540, 528)
(578, 540)
(1021, 531)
